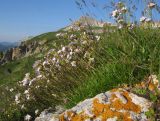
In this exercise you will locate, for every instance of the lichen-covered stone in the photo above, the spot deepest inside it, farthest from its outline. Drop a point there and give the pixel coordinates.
(117, 104)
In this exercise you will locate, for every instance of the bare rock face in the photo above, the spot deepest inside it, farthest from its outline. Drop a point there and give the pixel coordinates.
(16, 53)
(24, 49)
(117, 104)
(48, 115)
(86, 21)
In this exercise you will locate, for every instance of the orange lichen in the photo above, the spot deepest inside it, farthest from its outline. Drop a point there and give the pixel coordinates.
(117, 104)
(151, 87)
(114, 90)
(105, 111)
(143, 84)
(113, 97)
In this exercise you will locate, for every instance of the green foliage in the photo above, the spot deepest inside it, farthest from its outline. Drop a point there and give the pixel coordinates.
(15, 70)
(153, 97)
(140, 91)
(121, 56)
(151, 114)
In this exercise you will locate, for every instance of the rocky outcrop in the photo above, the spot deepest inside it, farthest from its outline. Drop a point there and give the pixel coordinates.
(86, 21)
(109, 106)
(114, 105)
(26, 48)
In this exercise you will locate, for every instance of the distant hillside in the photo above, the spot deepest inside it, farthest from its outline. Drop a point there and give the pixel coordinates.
(6, 45)
(19, 60)
(44, 42)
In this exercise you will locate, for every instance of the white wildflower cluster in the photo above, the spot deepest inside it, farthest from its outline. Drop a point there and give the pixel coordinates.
(144, 19)
(118, 13)
(27, 118)
(26, 80)
(79, 48)
(61, 35)
(17, 98)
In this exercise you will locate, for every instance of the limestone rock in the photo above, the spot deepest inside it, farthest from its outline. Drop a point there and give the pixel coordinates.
(47, 115)
(117, 104)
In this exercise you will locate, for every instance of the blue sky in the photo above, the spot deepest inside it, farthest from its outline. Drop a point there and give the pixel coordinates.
(22, 18)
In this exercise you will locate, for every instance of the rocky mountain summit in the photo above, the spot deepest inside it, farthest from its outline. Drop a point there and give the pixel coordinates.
(117, 104)
(86, 21)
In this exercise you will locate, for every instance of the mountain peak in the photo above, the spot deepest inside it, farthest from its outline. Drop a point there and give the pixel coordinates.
(86, 20)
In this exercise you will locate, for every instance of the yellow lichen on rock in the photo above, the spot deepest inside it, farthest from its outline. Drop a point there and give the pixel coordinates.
(112, 110)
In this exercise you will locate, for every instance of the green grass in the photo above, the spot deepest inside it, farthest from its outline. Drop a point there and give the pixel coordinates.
(124, 57)
(15, 71)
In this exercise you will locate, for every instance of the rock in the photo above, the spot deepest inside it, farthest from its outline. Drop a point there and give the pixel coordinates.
(16, 53)
(48, 115)
(85, 21)
(26, 48)
(117, 104)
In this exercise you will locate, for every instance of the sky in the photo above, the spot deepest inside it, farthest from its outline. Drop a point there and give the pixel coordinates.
(20, 19)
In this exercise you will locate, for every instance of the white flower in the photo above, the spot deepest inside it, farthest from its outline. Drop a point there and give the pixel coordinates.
(37, 87)
(77, 50)
(151, 5)
(120, 21)
(27, 96)
(25, 81)
(87, 55)
(115, 13)
(59, 51)
(33, 80)
(36, 111)
(124, 9)
(58, 34)
(148, 20)
(17, 96)
(27, 117)
(11, 90)
(91, 60)
(72, 36)
(44, 63)
(120, 26)
(26, 91)
(84, 42)
(98, 38)
(142, 19)
(54, 59)
(22, 107)
(63, 49)
(71, 53)
(69, 57)
(39, 76)
(73, 63)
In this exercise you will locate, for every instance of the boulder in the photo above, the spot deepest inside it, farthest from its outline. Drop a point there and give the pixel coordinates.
(113, 105)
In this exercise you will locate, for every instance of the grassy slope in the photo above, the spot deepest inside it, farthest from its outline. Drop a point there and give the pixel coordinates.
(121, 57)
(125, 57)
(14, 71)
